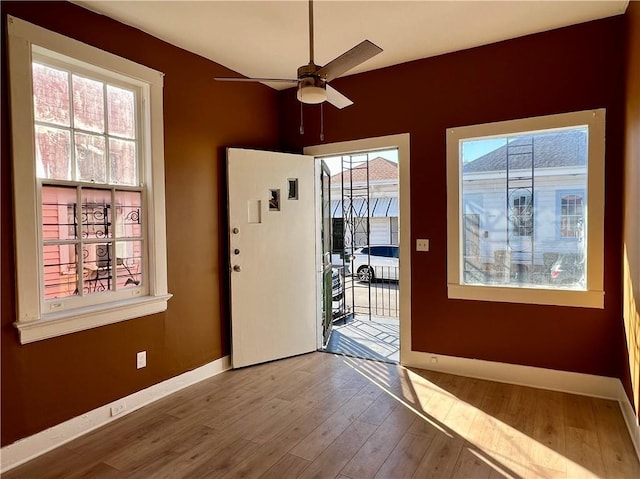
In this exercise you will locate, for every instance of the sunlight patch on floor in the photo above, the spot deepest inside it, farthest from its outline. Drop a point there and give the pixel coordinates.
(486, 436)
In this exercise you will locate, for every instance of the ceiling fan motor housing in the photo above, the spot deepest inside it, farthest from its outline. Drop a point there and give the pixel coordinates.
(311, 88)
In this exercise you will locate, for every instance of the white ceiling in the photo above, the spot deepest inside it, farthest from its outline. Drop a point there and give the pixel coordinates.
(268, 38)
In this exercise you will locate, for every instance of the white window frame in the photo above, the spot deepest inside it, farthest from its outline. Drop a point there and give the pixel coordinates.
(593, 296)
(34, 321)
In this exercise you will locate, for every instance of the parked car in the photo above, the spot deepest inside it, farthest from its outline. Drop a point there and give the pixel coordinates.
(375, 262)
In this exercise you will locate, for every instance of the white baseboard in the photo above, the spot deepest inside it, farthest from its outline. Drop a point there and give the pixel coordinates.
(541, 378)
(30, 447)
(630, 419)
(564, 381)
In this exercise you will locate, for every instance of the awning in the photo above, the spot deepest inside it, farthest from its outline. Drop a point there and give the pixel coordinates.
(377, 207)
(380, 207)
(393, 208)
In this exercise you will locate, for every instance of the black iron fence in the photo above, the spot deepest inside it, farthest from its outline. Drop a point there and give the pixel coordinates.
(376, 294)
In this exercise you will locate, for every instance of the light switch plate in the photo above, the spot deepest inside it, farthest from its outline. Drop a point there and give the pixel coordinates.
(422, 245)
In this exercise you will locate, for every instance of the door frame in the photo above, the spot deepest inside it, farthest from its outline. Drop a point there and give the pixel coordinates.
(402, 143)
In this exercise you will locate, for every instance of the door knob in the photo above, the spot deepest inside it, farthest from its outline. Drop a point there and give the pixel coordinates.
(237, 268)
(236, 251)
(235, 231)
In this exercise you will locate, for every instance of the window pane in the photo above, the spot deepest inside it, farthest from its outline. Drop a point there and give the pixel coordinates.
(91, 163)
(520, 227)
(96, 214)
(121, 111)
(123, 162)
(571, 216)
(88, 104)
(60, 273)
(128, 218)
(59, 213)
(97, 276)
(129, 267)
(50, 95)
(53, 153)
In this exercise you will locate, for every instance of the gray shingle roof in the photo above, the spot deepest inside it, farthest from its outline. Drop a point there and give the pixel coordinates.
(565, 148)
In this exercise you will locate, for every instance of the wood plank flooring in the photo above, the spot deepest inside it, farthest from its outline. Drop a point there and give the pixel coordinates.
(329, 416)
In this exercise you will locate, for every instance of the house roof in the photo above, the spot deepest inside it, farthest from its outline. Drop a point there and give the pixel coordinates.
(379, 169)
(565, 148)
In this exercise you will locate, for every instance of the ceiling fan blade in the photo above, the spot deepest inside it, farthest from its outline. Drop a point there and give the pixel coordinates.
(271, 80)
(349, 59)
(337, 99)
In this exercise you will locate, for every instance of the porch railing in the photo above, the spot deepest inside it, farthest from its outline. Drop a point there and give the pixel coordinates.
(380, 296)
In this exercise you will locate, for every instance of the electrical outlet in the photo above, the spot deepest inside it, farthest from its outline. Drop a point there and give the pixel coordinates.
(422, 245)
(118, 407)
(141, 360)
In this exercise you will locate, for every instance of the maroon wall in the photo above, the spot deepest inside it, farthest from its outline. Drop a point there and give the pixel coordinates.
(568, 69)
(50, 381)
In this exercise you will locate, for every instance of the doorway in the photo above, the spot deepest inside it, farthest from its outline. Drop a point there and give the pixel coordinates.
(269, 204)
(364, 246)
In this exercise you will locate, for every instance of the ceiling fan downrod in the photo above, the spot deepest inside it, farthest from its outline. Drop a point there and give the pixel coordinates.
(311, 32)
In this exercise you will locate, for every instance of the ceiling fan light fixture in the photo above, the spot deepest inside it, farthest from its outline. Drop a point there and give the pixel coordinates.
(312, 91)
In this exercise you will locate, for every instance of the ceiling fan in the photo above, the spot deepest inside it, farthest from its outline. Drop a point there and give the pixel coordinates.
(312, 80)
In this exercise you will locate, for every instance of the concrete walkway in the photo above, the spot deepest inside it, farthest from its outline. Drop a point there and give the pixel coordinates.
(360, 337)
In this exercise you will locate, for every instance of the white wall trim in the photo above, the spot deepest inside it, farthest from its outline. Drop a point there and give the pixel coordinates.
(593, 296)
(564, 381)
(38, 319)
(541, 378)
(630, 419)
(30, 447)
(402, 142)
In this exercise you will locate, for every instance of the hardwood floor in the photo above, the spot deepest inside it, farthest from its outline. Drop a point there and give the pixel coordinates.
(327, 416)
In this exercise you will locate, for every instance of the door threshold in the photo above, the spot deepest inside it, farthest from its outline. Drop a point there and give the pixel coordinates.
(361, 338)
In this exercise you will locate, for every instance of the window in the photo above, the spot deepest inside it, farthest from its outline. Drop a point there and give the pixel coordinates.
(88, 185)
(525, 210)
(571, 214)
(522, 214)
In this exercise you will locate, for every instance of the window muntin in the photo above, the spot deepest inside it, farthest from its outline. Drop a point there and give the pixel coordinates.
(84, 146)
(505, 182)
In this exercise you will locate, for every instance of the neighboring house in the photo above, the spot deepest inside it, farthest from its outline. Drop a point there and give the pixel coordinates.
(365, 199)
(523, 205)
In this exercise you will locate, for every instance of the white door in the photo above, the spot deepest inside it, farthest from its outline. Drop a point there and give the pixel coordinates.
(272, 230)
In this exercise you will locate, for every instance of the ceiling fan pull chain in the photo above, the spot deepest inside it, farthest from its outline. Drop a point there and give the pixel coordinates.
(301, 120)
(321, 122)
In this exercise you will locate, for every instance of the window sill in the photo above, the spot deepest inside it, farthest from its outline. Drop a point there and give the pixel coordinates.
(581, 299)
(60, 323)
